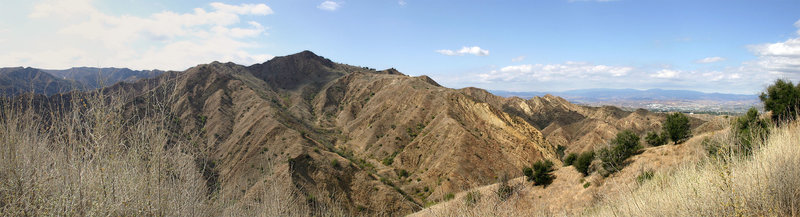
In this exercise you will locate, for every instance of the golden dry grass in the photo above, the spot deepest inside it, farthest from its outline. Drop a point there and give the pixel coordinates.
(87, 159)
(765, 184)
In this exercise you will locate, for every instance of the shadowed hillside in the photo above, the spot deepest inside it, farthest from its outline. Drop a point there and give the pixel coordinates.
(18, 80)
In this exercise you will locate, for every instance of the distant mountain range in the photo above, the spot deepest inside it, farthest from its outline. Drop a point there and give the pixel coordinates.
(607, 94)
(19, 80)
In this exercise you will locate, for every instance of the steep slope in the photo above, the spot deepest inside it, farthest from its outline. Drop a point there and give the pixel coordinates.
(357, 140)
(91, 77)
(571, 193)
(581, 128)
(18, 80)
(344, 137)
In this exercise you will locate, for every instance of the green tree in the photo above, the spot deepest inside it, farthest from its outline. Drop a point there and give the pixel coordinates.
(655, 139)
(677, 128)
(583, 162)
(540, 173)
(749, 129)
(626, 144)
(782, 99)
(570, 159)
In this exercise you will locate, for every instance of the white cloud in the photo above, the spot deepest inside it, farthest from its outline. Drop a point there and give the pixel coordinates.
(548, 72)
(329, 5)
(781, 58)
(517, 59)
(402, 2)
(666, 73)
(788, 48)
(62, 8)
(475, 50)
(711, 60)
(255, 9)
(165, 40)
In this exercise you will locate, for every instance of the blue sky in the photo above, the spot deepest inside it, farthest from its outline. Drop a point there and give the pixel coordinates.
(552, 45)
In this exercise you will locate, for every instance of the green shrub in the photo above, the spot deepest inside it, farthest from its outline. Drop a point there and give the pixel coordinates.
(334, 163)
(626, 144)
(644, 176)
(449, 196)
(472, 198)
(749, 129)
(587, 184)
(540, 173)
(583, 162)
(782, 99)
(655, 139)
(570, 159)
(389, 159)
(560, 151)
(677, 128)
(528, 172)
(504, 190)
(402, 173)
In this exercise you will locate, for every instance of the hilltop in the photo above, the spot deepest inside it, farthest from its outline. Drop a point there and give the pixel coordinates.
(18, 80)
(355, 140)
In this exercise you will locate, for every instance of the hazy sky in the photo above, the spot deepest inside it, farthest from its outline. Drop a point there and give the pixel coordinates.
(551, 45)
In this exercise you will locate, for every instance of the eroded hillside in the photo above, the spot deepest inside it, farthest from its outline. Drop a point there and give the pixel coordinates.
(357, 141)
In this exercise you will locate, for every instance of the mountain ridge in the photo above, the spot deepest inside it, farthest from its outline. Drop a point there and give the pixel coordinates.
(364, 141)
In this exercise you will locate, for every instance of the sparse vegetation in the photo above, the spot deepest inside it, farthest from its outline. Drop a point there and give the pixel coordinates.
(335, 163)
(503, 189)
(472, 198)
(763, 184)
(644, 176)
(389, 160)
(449, 196)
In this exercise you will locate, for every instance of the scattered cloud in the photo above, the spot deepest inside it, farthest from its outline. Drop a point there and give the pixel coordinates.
(165, 40)
(254, 9)
(781, 58)
(402, 2)
(518, 59)
(329, 6)
(549, 72)
(666, 73)
(63, 8)
(475, 50)
(710, 60)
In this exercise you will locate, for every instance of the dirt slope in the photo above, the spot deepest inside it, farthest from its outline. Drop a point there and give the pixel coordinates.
(364, 141)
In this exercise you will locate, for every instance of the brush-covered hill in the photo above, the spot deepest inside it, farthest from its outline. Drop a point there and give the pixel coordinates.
(18, 80)
(353, 140)
(92, 77)
(364, 141)
(22, 80)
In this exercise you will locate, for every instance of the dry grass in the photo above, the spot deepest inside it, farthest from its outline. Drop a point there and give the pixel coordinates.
(85, 158)
(765, 184)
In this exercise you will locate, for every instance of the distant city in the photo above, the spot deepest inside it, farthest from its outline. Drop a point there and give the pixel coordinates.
(656, 100)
